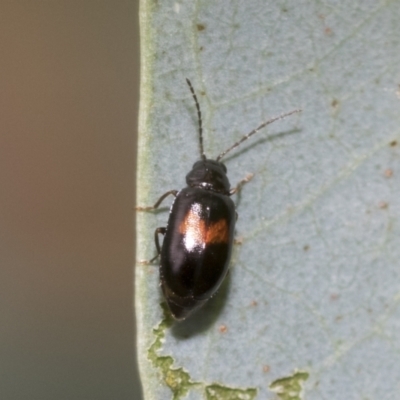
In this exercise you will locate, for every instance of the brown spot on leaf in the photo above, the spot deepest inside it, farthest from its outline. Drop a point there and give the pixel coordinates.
(388, 173)
(383, 205)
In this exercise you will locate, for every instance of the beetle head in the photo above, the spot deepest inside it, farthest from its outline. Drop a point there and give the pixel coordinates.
(209, 174)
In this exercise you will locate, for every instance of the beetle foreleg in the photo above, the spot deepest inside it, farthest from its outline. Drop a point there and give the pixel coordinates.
(159, 201)
(246, 179)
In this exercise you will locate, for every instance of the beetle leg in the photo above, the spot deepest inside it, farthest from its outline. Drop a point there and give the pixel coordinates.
(157, 242)
(246, 179)
(159, 201)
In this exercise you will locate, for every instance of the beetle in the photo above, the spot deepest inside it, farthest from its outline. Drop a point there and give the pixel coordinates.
(198, 238)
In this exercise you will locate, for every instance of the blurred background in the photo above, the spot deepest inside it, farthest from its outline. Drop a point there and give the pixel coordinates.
(69, 97)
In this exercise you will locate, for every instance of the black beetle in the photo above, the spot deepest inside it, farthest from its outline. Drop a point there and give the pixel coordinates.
(199, 236)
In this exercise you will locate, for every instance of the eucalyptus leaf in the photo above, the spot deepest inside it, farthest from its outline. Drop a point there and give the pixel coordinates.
(310, 308)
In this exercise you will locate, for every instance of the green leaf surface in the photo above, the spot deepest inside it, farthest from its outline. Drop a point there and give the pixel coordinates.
(310, 309)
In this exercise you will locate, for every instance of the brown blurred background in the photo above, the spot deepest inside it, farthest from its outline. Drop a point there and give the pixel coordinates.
(69, 73)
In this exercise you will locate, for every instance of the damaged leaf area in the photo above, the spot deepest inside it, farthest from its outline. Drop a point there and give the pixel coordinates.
(219, 392)
(178, 380)
(175, 378)
(290, 388)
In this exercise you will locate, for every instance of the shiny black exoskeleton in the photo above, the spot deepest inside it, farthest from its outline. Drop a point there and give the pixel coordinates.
(198, 239)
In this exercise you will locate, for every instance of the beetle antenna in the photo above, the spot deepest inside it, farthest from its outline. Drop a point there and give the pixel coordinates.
(203, 156)
(270, 121)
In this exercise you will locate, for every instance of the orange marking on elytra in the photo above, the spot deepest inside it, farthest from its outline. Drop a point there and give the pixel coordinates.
(193, 228)
(218, 232)
(196, 232)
